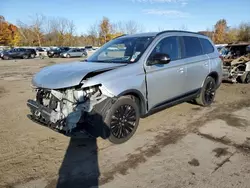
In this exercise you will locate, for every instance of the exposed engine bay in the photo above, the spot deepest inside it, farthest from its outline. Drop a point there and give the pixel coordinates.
(64, 109)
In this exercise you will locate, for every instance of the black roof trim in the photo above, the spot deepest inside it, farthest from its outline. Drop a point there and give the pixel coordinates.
(120, 36)
(170, 31)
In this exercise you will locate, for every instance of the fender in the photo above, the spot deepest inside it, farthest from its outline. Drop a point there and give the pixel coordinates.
(139, 95)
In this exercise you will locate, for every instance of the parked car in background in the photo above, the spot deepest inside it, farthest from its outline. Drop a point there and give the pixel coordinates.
(41, 52)
(89, 48)
(107, 95)
(73, 52)
(32, 52)
(18, 53)
(1, 53)
(55, 52)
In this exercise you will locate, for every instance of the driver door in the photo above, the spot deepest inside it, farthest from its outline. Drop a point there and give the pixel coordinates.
(165, 82)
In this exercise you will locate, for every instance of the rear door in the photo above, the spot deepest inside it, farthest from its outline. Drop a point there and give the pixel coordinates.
(78, 53)
(165, 82)
(73, 53)
(197, 63)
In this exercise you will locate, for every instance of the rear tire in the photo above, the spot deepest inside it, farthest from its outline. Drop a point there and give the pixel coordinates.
(122, 119)
(32, 56)
(207, 94)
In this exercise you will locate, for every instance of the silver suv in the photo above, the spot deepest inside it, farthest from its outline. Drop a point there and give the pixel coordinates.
(128, 78)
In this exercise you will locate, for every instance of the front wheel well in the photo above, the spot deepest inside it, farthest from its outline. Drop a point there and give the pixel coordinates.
(138, 99)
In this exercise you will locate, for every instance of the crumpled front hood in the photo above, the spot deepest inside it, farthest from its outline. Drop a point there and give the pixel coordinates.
(68, 74)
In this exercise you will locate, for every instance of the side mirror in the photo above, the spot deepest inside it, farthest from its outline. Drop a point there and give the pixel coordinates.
(160, 58)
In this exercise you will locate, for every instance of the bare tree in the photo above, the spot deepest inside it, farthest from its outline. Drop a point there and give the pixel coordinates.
(27, 36)
(37, 26)
(129, 27)
(183, 27)
(93, 34)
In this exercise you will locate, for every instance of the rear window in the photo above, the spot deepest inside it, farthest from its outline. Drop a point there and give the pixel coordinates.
(207, 46)
(192, 46)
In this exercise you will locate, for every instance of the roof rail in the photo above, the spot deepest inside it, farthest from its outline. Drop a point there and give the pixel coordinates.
(120, 36)
(169, 31)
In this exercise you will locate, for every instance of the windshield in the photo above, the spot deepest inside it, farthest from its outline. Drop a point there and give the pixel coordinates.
(122, 50)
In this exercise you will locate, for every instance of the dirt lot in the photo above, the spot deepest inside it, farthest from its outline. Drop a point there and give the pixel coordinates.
(172, 148)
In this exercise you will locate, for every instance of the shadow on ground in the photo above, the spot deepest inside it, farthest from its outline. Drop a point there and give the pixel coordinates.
(80, 165)
(80, 168)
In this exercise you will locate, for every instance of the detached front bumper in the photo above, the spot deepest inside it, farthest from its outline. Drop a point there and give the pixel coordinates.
(40, 112)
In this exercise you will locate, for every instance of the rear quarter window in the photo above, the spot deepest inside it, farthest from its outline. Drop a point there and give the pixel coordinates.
(206, 46)
(192, 46)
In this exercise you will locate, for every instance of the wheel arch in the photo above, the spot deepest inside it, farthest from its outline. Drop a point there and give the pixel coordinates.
(138, 95)
(215, 76)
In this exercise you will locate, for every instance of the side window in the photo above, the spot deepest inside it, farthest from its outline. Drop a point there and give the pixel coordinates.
(207, 46)
(170, 46)
(192, 46)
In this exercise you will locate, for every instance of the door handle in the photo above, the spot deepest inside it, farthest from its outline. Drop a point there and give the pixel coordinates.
(206, 64)
(181, 70)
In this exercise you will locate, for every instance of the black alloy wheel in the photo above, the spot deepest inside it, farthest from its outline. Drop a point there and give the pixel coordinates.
(210, 92)
(207, 93)
(123, 121)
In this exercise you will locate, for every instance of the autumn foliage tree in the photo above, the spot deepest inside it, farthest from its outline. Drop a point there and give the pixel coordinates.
(105, 29)
(220, 31)
(9, 34)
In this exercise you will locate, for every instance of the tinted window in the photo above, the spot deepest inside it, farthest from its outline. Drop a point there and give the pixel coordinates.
(192, 46)
(170, 46)
(207, 46)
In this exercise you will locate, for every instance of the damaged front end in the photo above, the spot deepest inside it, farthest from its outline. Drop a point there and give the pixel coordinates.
(69, 109)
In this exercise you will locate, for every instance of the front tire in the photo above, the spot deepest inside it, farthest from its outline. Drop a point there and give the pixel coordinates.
(207, 95)
(68, 56)
(122, 119)
(32, 56)
(25, 56)
(6, 57)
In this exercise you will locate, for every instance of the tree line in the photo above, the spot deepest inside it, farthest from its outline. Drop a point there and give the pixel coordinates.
(58, 31)
(223, 34)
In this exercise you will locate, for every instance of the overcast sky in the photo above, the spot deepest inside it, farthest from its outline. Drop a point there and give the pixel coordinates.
(194, 15)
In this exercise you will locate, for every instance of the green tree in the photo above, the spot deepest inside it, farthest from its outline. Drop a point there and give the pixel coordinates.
(244, 32)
